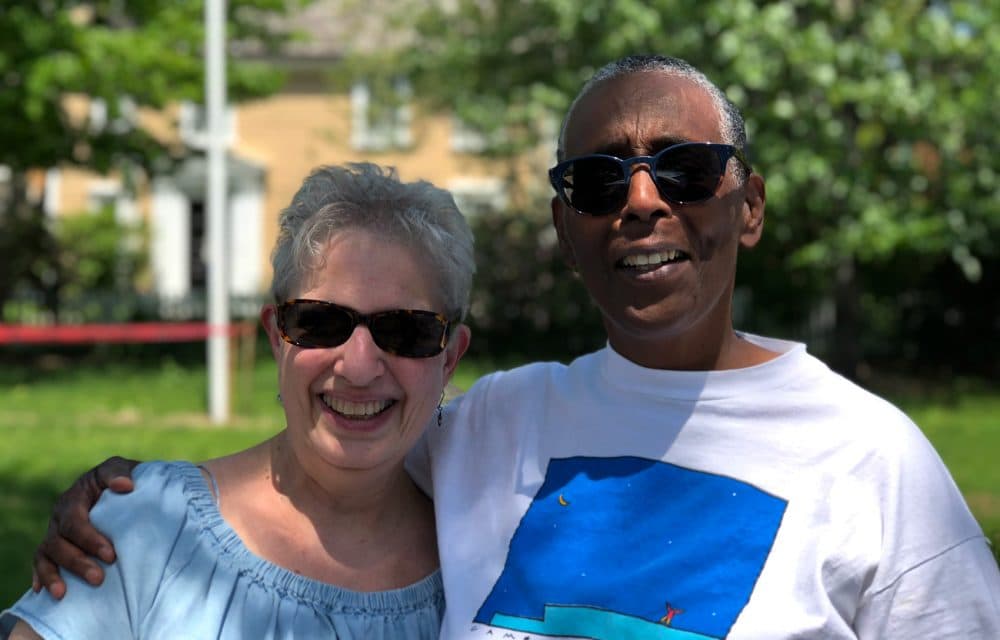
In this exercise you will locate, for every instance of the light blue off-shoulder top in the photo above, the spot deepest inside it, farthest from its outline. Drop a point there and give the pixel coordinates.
(182, 572)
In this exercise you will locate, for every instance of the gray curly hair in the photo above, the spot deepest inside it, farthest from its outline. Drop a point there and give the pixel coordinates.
(733, 127)
(368, 197)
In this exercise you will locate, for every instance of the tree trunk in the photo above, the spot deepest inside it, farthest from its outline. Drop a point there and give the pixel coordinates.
(25, 240)
(845, 356)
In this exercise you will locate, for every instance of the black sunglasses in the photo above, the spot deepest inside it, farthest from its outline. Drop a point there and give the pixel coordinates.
(316, 324)
(684, 173)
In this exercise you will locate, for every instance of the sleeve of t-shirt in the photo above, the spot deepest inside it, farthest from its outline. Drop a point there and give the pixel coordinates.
(143, 526)
(420, 459)
(937, 577)
(954, 595)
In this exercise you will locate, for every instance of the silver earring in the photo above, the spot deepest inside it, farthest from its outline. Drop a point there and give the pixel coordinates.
(279, 397)
(440, 417)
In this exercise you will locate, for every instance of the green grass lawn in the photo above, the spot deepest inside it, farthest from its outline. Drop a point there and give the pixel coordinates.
(59, 420)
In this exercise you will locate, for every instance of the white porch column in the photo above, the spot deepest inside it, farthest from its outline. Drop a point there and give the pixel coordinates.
(170, 241)
(246, 209)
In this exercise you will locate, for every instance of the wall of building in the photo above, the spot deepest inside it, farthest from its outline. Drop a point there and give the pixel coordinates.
(286, 136)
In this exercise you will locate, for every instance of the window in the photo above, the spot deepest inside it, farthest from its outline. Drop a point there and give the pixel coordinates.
(465, 138)
(381, 120)
(193, 125)
(121, 122)
(102, 194)
(477, 196)
(5, 190)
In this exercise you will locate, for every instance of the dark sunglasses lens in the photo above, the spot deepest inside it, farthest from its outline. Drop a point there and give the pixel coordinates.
(595, 185)
(689, 173)
(316, 324)
(414, 334)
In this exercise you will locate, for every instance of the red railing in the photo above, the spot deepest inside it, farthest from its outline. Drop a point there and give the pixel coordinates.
(120, 332)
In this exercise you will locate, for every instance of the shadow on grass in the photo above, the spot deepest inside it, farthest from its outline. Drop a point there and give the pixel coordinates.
(26, 505)
(24, 364)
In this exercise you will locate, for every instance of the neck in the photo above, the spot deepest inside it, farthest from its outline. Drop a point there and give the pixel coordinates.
(691, 353)
(371, 497)
(363, 530)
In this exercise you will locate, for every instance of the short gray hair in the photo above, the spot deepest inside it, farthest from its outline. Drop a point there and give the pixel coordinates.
(733, 127)
(368, 197)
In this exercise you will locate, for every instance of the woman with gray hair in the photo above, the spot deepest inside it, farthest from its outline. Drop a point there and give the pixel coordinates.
(318, 531)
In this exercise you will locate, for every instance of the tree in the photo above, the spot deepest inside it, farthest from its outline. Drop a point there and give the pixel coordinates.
(127, 56)
(872, 121)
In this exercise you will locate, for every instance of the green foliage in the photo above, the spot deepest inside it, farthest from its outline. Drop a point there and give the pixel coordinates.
(148, 52)
(95, 254)
(525, 301)
(128, 55)
(872, 122)
(25, 241)
(90, 262)
(98, 251)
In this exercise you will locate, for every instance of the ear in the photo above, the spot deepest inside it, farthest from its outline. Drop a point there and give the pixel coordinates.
(559, 213)
(457, 345)
(753, 211)
(269, 320)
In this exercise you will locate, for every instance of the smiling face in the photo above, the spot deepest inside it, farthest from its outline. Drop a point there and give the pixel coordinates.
(355, 406)
(662, 274)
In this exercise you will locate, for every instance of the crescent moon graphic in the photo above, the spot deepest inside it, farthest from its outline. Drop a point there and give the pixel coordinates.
(562, 501)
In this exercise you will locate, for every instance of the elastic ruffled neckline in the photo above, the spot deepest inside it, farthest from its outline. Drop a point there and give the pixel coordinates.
(231, 550)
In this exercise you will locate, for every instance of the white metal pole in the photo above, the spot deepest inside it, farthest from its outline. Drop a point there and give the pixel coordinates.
(218, 294)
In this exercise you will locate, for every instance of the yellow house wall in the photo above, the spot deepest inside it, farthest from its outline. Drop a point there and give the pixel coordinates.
(74, 187)
(291, 133)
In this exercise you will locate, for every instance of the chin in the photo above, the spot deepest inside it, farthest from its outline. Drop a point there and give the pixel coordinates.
(648, 324)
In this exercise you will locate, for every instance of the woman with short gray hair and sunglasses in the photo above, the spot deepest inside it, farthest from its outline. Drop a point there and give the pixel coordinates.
(318, 531)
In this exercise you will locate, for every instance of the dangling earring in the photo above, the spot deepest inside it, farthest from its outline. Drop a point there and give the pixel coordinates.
(440, 418)
(279, 397)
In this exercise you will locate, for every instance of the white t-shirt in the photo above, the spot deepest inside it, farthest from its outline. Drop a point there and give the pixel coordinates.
(608, 501)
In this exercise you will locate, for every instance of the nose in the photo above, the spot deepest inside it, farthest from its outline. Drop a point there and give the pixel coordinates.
(361, 360)
(644, 201)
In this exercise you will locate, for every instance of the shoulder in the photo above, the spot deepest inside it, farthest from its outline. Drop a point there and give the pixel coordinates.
(162, 517)
(151, 529)
(528, 380)
(160, 505)
(924, 517)
(155, 481)
(507, 398)
(798, 381)
(881, 438)
(844, 430)
(522, 376)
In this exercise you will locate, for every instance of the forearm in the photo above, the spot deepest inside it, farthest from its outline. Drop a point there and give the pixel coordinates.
(23, 631)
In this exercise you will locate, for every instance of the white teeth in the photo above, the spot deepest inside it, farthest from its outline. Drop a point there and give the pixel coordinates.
(352, 409)
(647, 259)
